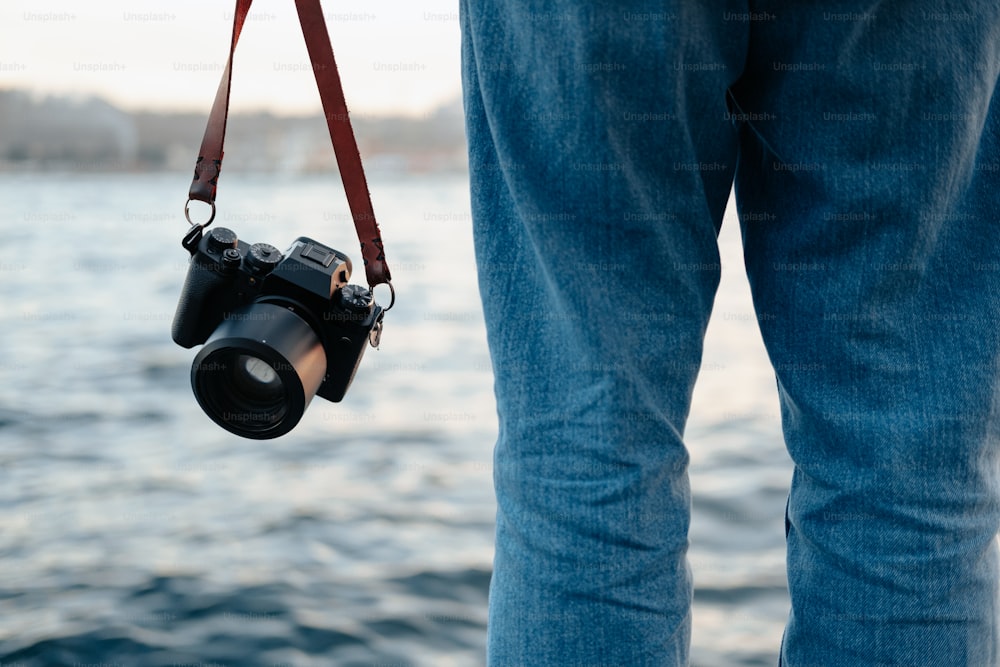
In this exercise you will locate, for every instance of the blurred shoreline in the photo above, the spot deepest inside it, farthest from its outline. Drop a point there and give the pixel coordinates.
(89, 134)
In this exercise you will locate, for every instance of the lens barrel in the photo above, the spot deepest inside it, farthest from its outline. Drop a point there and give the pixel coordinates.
(258, 371)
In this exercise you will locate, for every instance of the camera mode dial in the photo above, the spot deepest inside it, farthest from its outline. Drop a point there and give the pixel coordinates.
(221, 238)
(263, 257)
(356, 299)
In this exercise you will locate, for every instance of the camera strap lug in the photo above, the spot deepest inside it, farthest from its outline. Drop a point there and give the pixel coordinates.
(192, 238)
(375, 335)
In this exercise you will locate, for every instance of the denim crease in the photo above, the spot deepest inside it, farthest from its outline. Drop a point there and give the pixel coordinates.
(862, 142)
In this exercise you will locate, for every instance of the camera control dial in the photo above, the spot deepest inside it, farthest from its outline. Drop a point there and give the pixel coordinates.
(356, 298)
(263, 257)
(221, 238)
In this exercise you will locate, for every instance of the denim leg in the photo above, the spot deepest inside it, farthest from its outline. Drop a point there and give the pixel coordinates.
(601, 159)
(869, 196)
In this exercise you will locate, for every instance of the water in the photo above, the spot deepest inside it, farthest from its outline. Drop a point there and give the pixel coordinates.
(133, 531)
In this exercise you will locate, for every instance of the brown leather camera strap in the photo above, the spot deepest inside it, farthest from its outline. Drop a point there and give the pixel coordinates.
(206, 171)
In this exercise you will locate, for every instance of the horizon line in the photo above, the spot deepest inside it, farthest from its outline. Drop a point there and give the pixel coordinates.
(235, 109)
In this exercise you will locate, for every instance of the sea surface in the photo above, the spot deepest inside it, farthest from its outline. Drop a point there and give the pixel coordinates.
(133, 531)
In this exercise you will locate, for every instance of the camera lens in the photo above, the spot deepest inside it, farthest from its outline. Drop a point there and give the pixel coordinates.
(258, 371)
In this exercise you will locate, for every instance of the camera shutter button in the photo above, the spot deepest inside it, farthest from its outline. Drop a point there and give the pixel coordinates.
(231, 258)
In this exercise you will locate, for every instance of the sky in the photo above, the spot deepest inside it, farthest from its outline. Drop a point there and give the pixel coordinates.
(394, 56)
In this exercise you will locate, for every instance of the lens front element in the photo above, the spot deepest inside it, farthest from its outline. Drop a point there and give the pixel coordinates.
(241, 388)
(258, 376)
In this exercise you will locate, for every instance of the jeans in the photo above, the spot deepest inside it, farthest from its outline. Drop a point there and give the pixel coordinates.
(862, 140)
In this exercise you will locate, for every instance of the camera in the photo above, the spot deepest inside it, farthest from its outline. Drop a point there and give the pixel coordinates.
(277, 329)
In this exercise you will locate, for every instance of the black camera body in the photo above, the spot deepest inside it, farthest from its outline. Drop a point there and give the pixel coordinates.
(277, 328)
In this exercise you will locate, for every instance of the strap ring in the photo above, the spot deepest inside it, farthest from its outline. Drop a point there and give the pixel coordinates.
(187, 213)
(392, 293)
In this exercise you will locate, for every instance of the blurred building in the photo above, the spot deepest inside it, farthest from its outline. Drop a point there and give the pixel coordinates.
(89, 134)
